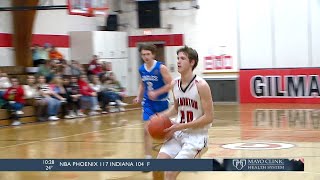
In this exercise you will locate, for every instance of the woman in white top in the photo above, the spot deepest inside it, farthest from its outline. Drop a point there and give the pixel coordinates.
(4, 83)
(96, 86)
(30, 89)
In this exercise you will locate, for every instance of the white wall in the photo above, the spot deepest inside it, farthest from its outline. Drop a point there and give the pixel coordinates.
(291, 33)
(6, 53)
(315, 29)
(279, 34)
(255, 34)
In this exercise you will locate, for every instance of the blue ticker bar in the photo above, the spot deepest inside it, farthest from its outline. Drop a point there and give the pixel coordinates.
(150, 165)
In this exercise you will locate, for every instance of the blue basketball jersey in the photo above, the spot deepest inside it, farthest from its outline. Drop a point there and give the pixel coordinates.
(152, 80)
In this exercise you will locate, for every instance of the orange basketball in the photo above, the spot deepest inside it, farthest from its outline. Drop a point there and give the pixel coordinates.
(157, 125)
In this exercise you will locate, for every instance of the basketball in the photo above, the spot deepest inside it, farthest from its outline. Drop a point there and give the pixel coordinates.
(157, 125)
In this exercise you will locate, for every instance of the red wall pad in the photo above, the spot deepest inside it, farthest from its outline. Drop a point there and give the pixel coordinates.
(301, 85)
(5, 40)
(41, 39)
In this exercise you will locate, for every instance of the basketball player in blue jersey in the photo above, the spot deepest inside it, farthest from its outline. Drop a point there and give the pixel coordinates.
(153, 90)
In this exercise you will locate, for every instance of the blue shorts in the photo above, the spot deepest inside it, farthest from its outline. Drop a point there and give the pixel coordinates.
(150, 108)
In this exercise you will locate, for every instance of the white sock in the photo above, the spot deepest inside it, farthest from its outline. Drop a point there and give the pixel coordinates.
(148, 157)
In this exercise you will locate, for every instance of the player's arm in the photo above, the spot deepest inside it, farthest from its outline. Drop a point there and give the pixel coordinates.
(138, 99)
(167, 80)
(207, 105)
(172, 111)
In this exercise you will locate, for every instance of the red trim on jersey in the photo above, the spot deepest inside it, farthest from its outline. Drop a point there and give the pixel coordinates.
(204, 147)
(198, 152)
(179, 87)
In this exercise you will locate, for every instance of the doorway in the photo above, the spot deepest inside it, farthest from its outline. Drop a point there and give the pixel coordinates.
(160, 55)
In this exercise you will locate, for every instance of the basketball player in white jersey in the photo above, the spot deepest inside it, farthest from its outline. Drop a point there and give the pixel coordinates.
(194, 107)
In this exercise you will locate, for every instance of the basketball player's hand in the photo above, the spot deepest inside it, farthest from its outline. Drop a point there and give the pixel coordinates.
(156, 115)
(170, 131)
(153, 116)
(137, 100)
(152, 95)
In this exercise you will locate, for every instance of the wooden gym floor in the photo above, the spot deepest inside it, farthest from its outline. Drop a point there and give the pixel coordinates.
(119, 135)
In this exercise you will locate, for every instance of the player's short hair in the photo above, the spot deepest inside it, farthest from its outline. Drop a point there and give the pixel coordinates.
(191, 53)
(148, 47)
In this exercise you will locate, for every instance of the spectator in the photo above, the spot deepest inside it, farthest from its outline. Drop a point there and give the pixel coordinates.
(54, 54)
(65, 68)
(37, 55)
(88, 95)
(96, 86)
(47, 95)
(59, 93)
(46, 70)
(113, 92)
(105, 95)
(115, 86)
(30, 89)
(15, 101)
(40, 54)
(73, 97)
(4, 83)
(76, 68)
(107, 68)
(95, 68)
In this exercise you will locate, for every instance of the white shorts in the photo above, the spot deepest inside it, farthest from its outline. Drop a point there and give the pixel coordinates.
(185, 146)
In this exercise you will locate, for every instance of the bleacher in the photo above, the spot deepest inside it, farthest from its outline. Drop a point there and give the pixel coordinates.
(29, 115)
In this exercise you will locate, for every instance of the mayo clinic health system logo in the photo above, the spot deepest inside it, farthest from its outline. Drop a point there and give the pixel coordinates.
(260, 164)
(239, 163)
(258, 146)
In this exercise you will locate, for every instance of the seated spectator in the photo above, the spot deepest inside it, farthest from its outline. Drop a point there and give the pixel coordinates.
(107, 68)
(54, 54)
(59, 93)
(95, 68)
(113, 92)
(65, 68)
(58, 90)
(76, 68)
(40, 54)
(73, 97)
(46, 94)
(88, 95)
(15, 101)
(30, 89)
(105, 95)
(47, 70)
(37, 55)
(115, 86)
(4, 83)
(96, 86)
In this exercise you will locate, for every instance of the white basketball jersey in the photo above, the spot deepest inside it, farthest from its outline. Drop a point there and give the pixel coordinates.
(189, 103)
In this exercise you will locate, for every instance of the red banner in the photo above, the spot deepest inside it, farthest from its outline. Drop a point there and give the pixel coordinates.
(280, 85)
